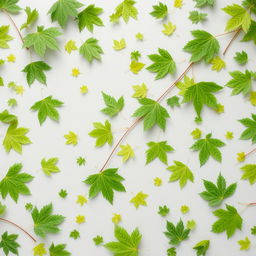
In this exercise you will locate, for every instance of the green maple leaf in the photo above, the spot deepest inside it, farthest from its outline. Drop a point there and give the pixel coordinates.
(249, 173)
(215, 194)
(177, 233)
(160, 11)
(208, 147)
(250, 131)
(229, 221)
(158, 150)
(126, 9)
(58, 250)
(241, 57)
(45, 222)
(61, 10)
(202, 247)
(163, 64)
(113, 106)
(163, 210)
(196, 16)
(152, 112)
(32, 16)
(250, 4)
(49, 166)
(202, 94)
(35, 71)
(14, 183)
(91, 50)
(251, 34)
(241, 82)
(89, 17)
(180, 172)
(15, 138)
(241, 18)
(204, 47)
(9, 244)
(105, 182)
(10, 6)
(7, 118)
(47, 107)
(126, 245)
(171, 251)
(202, 3)
(173, 101)
(103, 133)
(4, 37)
(42, 39)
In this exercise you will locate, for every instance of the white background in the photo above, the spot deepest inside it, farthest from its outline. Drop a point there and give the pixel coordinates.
(112, 76)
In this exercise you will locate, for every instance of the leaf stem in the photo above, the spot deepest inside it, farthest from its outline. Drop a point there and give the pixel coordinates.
(250, 152)
(251, 204)
(226, 33)
(14, 24)
(19, 227)
(140, 118)
(231, 41)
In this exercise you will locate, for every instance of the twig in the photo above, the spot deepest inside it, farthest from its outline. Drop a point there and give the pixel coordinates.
(22, 229)
(139, 119)
(226, 33)
(251, 204)
(250, 152)
(232, 39)
(14, 24)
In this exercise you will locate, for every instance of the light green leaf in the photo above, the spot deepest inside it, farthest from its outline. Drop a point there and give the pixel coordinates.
(152, 112)
(160, 11)
(4, 37)
(229, 221)
(249, 173)
(158, 150)
(105, 182)
(14, 183)
(180, 172)
(47, 107)
(103, 133)
(91, 50)
(32, 16)
(163, 64)
(42, 40)
(49, 166)
(35, 71)
(89, 17)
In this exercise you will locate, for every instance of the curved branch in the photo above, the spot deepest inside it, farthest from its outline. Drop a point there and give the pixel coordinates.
(19, 227)
(139, 119)
(231, 41)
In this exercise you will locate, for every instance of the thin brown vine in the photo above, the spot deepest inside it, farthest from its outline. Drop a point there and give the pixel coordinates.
(19, 227)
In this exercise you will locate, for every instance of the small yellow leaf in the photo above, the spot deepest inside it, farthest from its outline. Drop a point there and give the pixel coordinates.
(244, 244)
(229, 135)
(136, 66)
(126, 152)
(70, 46)
(11, 58)
(253, 98)
(217, 63)
(140, 91)
(71, 138)
(169, 28)
(139, 199)
(39, 250)
(196, 134)
(81, 200)
(84, 89)
(80, 219)
(157, 182)
(139, 36)
(116, 218)
(19, 89)
(119, 45)
(220, 108)
(241, 157)
(75, 72)
(178, 3)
